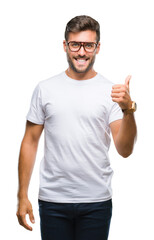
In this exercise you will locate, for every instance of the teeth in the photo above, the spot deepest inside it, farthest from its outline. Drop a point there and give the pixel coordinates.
(80, 60)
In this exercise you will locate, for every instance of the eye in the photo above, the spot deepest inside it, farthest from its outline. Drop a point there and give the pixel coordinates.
(74, 44)
(89, 45)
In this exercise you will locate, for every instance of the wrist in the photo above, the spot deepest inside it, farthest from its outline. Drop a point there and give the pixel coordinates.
(131, 109)
(22, 195)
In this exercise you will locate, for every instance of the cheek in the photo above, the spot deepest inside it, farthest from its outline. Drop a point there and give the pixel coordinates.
(69, 54)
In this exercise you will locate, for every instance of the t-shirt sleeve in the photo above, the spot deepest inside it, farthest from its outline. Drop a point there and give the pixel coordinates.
(115, 113)
(36, 113)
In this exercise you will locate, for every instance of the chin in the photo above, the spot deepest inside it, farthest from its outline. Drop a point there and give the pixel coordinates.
(80, 70)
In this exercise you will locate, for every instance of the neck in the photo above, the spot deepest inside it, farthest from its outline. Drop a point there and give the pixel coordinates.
(80, 76)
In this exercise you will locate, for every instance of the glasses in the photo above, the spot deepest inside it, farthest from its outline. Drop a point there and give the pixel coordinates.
(88, 46)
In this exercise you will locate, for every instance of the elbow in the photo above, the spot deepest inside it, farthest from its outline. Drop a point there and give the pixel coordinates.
(125, 153)
(125, 149)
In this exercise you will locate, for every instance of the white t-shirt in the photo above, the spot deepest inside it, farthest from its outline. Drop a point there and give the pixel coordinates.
(76, 115)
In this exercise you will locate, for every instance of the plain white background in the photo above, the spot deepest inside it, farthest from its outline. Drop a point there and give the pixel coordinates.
(30, 51)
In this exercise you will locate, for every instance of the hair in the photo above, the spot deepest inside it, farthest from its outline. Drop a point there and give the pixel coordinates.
(82, 23)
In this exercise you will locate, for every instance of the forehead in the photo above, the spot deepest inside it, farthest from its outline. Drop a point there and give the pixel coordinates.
(83, 36)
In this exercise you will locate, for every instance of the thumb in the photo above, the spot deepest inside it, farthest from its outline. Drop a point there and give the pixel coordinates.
(127, 81)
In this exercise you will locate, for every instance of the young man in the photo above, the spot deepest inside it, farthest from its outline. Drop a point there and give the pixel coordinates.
(77, 110)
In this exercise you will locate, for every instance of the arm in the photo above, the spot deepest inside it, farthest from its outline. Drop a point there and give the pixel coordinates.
(26, 163)
(124, 134)
(124, 131)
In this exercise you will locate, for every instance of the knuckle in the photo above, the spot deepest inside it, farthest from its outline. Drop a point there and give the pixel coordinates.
(20, 223)
(30, 211)
(21, 215)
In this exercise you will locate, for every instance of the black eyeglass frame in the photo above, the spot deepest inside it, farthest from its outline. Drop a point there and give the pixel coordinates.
(82, 44)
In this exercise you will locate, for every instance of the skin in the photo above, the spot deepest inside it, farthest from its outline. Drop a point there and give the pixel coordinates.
(81, 72)
(26, 163)
(123, 131)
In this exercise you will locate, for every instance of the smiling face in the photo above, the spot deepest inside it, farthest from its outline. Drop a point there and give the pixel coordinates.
(81, 62)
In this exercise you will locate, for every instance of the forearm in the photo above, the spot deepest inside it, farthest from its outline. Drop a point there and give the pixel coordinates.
(26, 163)
(126, 135)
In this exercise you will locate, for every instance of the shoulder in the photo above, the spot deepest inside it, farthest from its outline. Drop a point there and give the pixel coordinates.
(49, 82)
(48, 86)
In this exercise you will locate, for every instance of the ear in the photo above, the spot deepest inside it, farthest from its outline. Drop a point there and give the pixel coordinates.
(98, 48)
(64, 45)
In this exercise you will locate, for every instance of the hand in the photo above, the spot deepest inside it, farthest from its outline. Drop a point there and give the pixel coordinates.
(120, 94)
(25, 207)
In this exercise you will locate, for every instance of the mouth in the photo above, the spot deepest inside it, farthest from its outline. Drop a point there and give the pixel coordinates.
(81, 61)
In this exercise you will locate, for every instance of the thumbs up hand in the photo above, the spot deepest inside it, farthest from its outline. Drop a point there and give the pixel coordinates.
(121, 94)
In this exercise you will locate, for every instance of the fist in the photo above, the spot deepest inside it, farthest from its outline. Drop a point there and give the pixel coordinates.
(120, 94)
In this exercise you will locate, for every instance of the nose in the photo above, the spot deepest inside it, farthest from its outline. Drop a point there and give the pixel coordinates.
(81, 51)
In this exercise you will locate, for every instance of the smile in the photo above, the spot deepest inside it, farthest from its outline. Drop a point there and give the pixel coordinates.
(81, 61)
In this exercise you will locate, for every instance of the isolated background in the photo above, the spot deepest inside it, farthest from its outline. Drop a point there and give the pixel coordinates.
(30, 51)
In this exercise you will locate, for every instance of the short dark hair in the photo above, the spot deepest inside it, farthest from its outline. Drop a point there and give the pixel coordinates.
(82, 23)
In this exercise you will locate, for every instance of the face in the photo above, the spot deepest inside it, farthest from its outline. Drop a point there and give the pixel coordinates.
(81, 61)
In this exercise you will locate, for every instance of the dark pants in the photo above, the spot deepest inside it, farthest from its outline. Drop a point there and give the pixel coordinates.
(75, 221)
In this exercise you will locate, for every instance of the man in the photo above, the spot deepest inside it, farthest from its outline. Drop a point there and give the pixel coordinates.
(77, 110)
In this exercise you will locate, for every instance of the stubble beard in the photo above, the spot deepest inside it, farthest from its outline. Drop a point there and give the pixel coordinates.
(72, 66)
